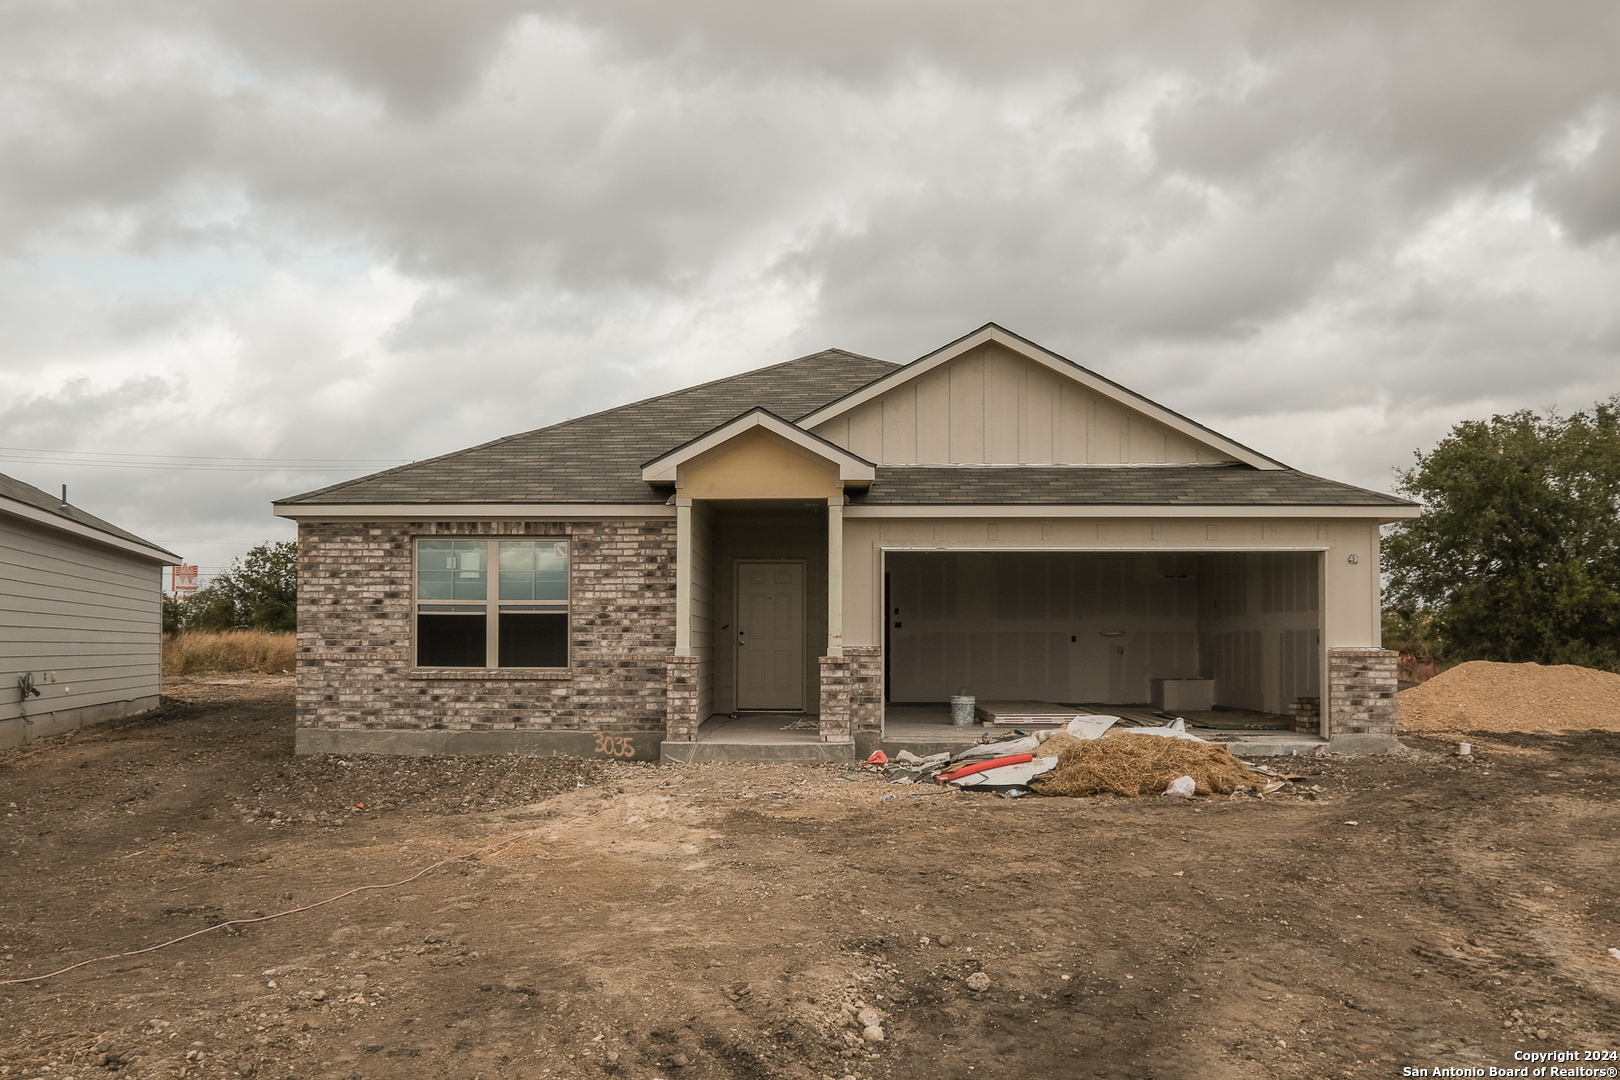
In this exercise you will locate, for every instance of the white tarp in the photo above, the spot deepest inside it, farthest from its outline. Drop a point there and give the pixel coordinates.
(1009, 775)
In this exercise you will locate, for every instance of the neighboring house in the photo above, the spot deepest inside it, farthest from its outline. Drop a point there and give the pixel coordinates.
(80, 616)
(831, 535)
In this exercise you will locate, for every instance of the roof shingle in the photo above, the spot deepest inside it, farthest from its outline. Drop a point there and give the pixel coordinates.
(29, 495)
(598, 459)
(1106, 485)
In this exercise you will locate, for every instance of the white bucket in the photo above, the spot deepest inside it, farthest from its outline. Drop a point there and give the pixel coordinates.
(962, 709)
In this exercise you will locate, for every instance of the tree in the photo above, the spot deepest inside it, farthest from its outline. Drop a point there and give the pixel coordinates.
(263, 587)
(258, 592)
(1517, 555)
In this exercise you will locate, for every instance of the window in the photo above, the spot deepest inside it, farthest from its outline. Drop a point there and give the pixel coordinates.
(492, 603)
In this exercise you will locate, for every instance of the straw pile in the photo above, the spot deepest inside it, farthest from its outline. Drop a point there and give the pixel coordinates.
(1126, 764)
(1055, 743)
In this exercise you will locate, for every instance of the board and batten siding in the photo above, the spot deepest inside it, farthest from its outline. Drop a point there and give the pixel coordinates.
(993, 407)
(85, 620)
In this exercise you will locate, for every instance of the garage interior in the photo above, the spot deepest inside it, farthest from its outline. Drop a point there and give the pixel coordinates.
(1089, 629)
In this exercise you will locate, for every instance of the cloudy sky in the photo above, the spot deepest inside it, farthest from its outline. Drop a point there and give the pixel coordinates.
(248, 249)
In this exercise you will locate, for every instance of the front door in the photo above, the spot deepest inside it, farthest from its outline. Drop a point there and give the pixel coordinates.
(770, 635)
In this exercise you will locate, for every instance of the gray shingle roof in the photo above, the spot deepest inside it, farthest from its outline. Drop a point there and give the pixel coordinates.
(29, 495)
(598, 458)
(1090, 485)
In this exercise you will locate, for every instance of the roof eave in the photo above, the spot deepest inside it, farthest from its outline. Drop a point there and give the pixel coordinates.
(85, 531)
(467, 511)
(1382, 515)
(852, 469)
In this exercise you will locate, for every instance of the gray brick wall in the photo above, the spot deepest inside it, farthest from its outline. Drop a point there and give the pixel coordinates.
(355, 629)
(865, 687)
(1361, 695)
(851, 693)
(836, 677)
(681, 698)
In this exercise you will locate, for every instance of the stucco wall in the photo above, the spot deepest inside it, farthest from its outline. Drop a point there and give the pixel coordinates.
(355, 629)
(758, 465)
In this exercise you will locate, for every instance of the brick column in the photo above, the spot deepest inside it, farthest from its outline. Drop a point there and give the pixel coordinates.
(835, 699)
(1361, 691)
(865, 687)
(681, 717)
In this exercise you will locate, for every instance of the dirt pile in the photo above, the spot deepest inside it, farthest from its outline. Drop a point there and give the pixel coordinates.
(1126, 764)
(1485, 696)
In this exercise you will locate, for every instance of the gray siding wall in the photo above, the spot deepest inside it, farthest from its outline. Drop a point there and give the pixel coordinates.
(85, 620)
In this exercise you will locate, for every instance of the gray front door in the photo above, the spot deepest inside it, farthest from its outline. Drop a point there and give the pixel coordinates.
(770, 635)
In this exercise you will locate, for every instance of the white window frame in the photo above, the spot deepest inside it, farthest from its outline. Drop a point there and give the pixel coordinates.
(491, 605)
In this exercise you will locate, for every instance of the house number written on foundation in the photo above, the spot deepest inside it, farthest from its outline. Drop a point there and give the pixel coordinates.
(618, 746)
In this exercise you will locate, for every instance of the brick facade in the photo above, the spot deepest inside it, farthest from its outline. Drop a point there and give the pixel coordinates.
(682, 692)
(1361, 695)
(835, 699)
(851, 693)
(866, 687)
(356, 627)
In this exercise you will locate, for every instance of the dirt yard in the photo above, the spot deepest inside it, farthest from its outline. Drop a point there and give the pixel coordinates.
(525, 917)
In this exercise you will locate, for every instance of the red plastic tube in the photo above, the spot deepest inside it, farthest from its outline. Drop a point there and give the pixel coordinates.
(983, 766)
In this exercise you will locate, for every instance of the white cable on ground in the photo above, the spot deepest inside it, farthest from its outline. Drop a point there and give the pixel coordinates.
(277, 915)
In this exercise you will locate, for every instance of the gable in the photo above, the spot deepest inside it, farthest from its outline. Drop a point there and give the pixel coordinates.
(759, 465)
(994, 399)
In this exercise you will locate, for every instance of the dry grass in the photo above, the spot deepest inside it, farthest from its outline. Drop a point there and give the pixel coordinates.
(199, 653)
(1126, 764)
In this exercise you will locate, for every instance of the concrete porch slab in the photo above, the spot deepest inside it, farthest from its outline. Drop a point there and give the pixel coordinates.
(763, 737)
(924, 730)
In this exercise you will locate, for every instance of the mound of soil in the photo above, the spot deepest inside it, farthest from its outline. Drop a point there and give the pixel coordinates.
(1484, 696)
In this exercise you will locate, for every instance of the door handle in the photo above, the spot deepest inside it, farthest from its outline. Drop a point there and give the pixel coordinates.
(740, 641)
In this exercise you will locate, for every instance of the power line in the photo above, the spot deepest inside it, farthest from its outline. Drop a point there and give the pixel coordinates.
(190, 462)
(181, 457)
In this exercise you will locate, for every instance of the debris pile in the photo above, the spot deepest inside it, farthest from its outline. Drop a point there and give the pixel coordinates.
(1128, 763)
(1082, 758)
(1485, 696)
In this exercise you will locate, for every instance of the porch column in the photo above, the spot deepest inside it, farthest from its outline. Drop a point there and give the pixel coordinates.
(835, 576)
(1361, 692)
(683, 577)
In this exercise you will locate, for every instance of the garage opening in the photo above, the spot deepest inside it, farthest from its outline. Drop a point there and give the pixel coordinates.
(1097, 628)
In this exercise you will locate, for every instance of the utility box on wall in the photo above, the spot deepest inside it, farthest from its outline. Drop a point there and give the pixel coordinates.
(1182, 695)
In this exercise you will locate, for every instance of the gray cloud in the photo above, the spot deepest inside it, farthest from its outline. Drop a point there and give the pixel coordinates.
(390, 229)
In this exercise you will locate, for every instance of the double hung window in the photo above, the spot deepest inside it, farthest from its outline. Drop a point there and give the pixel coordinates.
(492, 603)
